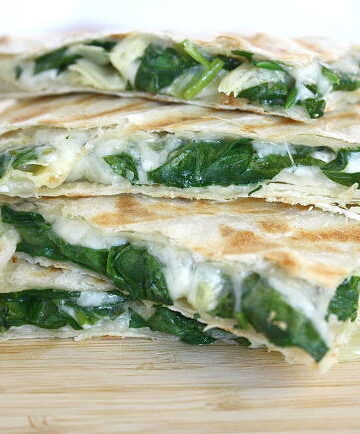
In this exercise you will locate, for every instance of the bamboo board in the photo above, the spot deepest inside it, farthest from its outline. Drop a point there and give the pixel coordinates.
(135, 385)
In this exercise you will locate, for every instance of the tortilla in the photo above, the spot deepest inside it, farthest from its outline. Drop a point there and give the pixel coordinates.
(280, 276)
(86, 145)
(299, 79)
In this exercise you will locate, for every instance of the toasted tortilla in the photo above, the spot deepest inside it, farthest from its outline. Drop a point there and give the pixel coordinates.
(304, 58)
(199, 247)
(85, 128)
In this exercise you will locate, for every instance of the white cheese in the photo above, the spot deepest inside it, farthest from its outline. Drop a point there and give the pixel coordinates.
(96, 298)
(310, 74)
(324, 155)
(353, 165)
(267, 148)
(81, 233)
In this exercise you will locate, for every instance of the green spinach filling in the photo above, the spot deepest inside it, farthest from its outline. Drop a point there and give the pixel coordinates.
(183, 70)
(136, 272)
(139, 276)
(21, 159)
(234, 162)
(53, 309)
(267, 312)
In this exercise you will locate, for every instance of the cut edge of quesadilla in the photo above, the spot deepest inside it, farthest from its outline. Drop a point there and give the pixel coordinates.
(300, 79)
(96, 145)
(44, 301)
(267, 287)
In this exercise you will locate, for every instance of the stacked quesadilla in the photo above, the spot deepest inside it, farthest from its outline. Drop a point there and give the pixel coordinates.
(139, 214)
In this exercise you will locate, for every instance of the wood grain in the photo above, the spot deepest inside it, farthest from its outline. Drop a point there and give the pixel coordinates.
(133, 385)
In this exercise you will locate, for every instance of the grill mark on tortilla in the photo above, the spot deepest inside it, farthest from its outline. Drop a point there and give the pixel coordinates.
(243, 241)
(43, 105)
(349, 234)
(87, 116)
(274, 226)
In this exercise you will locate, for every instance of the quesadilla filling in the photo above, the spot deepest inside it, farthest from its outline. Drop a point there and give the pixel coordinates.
(39, 159)
(182, 70)
(256, 302)
(94, 311)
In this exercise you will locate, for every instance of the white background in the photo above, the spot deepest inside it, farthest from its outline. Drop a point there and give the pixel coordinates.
(338, 20)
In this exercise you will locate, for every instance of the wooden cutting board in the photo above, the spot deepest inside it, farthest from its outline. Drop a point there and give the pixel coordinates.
(134, 385)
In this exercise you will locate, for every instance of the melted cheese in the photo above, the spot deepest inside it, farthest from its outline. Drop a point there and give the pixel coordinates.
(353, 165)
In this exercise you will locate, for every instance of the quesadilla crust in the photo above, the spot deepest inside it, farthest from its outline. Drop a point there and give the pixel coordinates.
(87, 111)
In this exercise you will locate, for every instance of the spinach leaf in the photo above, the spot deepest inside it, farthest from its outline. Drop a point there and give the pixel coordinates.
(243, 53)
(57, 59)
(226, 303)
(23, 156)
(159, 67)
(204, 163)
(49, 309)
(18, 71)
(242, 341)
(17, 158)
(137, 272)
(229, 63)
(341, 80)
(226, 163)
(345, 302)
(103, 43)
(334, 169)
(270, 314)
(347, 82)
(268, 64)
(188, 330)
(136, 321)
(267, 93)
(124, 165)
(315, 107)
(291, 98)
(331, 76)
(5, 162)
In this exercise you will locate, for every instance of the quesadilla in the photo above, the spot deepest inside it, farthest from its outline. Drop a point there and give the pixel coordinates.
(100, 145)
(299, 79)
(283, 277)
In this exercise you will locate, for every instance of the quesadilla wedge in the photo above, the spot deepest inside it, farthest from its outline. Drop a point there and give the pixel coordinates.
(299, 79)
(67, 308)
(41, 298)
(280, 276)
(101, 145)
